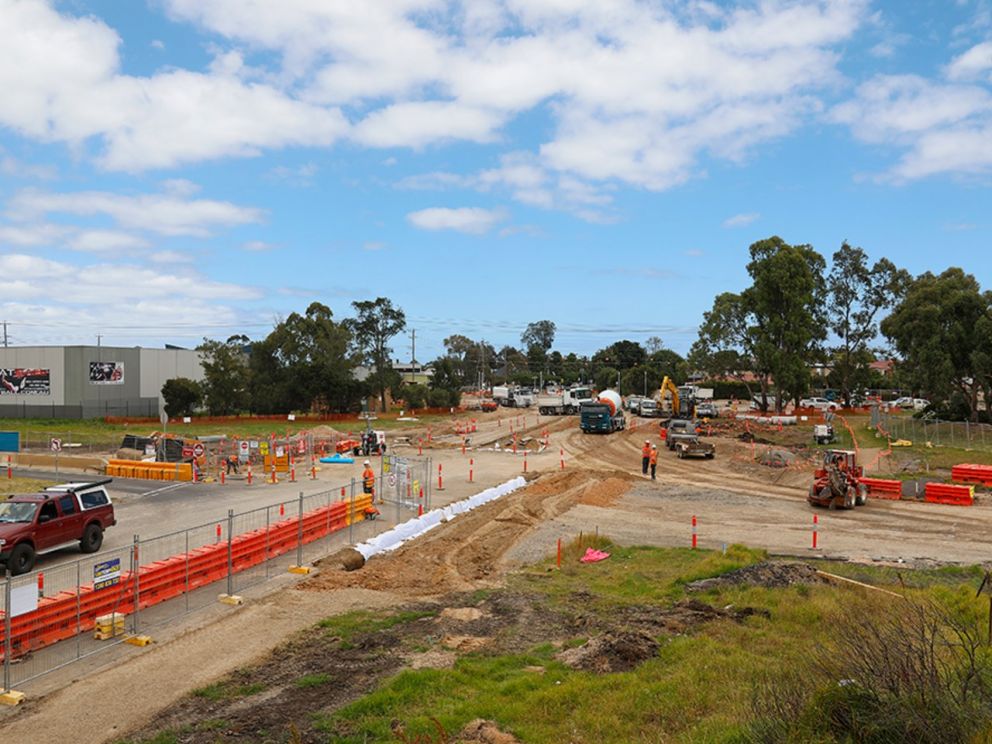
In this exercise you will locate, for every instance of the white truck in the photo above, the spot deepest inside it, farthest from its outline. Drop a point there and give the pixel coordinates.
(565, 403)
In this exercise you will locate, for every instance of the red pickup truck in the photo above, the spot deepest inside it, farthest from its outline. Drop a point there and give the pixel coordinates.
(53, 519)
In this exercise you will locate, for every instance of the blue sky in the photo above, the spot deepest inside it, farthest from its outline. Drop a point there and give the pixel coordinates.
(174, 169)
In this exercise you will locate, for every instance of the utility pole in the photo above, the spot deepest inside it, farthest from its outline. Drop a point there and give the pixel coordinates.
(413, 354)
(5, 334)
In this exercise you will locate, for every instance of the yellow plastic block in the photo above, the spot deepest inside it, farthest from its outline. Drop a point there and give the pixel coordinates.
(230, 599)
(299, 569)
(12, 697)
(138, 640)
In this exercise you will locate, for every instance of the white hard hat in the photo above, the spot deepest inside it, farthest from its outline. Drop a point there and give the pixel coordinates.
(647, 441)
(367, 462)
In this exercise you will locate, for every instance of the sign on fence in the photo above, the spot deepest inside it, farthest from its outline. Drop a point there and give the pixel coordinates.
(107, 573)
(23, 599)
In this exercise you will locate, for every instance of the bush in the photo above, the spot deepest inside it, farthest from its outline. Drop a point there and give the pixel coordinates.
(440, 398)
(414, 396)
(181, 396)
(913, 671)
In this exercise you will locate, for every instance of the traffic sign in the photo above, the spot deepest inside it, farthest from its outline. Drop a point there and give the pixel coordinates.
(243, 444)
(56, 445)
(198, 450)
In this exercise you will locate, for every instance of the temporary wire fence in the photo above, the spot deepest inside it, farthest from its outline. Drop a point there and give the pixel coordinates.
(59, 615)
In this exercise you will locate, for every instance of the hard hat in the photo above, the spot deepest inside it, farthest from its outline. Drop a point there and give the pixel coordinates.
(654, 446)
(367, 462)
(647, 441)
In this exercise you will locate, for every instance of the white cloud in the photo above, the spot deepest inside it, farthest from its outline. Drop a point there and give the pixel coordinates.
(373, 245)
(106, 240)
(258, 246)
(11, 166)
(973, 64)
(636, 91)
(171, 257)
(741, 220)
(116, 284)
(70, 89)
(471, 220)
(943, 127)
(166, 214)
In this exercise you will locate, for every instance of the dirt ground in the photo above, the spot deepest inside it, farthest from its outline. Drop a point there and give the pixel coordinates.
(601, 489)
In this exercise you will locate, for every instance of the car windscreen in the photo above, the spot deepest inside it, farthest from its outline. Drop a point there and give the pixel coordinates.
(17, 511)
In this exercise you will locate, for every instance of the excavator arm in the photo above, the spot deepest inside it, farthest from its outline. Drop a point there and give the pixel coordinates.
(668, 385)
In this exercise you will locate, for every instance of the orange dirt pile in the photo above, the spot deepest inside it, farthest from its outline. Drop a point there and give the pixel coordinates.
(466, 552)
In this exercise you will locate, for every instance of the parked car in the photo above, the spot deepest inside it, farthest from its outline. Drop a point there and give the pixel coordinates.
(56, 517)
(633, 403)
(912, 404)
(821, 404)
(707, 410)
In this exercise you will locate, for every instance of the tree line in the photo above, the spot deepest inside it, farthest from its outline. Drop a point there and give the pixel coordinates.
(797, 313)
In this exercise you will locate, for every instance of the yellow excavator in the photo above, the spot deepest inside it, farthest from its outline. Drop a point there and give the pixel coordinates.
(668, 385)
(683, 404)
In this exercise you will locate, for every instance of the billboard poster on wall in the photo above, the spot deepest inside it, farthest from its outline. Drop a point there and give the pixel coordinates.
(20, 381)
(107, 373)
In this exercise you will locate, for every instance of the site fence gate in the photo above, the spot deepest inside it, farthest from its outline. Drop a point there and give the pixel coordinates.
(406, 483)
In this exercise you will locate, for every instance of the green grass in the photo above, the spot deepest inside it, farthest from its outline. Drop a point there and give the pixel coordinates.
(312, 680)
(697, 689)
(228, 690)
(352, 624)
(95, 432)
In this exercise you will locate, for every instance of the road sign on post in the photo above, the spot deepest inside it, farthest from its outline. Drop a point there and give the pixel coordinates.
(55, 444)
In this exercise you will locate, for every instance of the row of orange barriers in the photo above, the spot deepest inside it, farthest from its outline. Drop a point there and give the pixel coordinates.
(167, 471)
(967, 473)
(881, 488)
(946, 493)
(64, 615)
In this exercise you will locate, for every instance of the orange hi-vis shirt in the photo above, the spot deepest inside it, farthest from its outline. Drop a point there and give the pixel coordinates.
(646, 450)
(654, 457)
(368, 476)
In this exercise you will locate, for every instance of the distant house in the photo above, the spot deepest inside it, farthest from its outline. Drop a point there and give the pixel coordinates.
(884, 367)
(414, 372)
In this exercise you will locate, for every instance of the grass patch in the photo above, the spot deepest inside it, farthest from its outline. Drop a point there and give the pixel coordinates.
(228, 690)
(19, 485)
(697, 689)
(352, 624)
(312, 680)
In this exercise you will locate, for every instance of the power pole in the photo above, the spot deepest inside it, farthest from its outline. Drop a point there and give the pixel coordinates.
(413, 354)
(5, 334)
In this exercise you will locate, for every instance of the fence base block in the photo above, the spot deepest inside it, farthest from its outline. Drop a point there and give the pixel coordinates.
(12, 697)
(299, 570)
(230, 599)
(138, 640)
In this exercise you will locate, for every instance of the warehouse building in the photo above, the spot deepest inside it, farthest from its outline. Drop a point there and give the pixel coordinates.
(89, 381)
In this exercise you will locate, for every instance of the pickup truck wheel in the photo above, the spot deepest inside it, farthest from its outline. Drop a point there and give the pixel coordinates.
(92, 539)
(21, 559)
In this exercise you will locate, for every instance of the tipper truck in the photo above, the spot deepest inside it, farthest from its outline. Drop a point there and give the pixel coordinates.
(604, 415)
(564, 403)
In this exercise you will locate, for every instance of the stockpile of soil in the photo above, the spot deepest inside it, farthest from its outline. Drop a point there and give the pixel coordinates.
(611, 652)
(606, 492)
(767, 574)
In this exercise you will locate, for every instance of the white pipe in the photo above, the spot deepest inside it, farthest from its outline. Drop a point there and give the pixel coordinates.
(417, 526)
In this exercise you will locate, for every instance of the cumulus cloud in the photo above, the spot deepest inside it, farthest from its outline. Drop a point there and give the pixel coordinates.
(943, 126)
(471, 220)
(636, 92)
(170, 213)
(70, 89)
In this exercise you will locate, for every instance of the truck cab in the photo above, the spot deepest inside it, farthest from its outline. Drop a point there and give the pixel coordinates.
(55, 518)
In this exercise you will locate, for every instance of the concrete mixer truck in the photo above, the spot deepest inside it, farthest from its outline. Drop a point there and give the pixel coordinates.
(603, 415)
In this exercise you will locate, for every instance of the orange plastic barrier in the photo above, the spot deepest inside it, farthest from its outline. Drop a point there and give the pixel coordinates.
(981, 474)
(56, 617)
(880, 488)
(945, 493)
(181, 471)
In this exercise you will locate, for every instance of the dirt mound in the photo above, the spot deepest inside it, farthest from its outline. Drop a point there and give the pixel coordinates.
(607, 491)
(480, 731)
(459, 555)
(777, 458)
(771, 575)
(612, 652)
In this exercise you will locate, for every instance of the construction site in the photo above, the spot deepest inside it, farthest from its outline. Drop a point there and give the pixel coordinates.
(504, 580)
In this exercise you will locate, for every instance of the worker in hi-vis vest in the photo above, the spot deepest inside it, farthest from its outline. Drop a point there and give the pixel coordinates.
(645, 456)
(368, 479)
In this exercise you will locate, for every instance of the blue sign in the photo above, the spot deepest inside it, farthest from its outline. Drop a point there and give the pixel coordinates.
(107, 573)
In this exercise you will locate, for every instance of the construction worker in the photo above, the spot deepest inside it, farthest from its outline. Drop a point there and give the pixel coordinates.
(645, 456)
(368, 479)
(654, 459)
